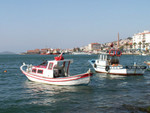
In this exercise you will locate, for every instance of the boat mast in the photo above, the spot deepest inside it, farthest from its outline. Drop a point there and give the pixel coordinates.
(118, 40)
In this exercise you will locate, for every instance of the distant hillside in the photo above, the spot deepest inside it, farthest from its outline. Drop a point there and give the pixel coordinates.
(122, 42)
(7, 52)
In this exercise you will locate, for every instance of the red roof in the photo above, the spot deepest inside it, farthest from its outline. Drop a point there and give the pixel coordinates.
(95, 43)
(144, 33)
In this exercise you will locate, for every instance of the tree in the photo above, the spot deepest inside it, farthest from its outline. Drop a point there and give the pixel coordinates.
(140, 43)
(130, 46)
(121, 48)
(130, 38)
(146, 44)
(74, 49)
(143, 45)
(126, 44)
(134, 44)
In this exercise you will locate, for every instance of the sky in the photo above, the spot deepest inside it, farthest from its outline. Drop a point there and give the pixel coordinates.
(31, 24)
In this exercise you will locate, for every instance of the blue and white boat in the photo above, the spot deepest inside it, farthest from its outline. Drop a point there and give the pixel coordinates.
(109, 63)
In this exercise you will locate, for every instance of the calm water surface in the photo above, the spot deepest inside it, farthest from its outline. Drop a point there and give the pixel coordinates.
(104, 94)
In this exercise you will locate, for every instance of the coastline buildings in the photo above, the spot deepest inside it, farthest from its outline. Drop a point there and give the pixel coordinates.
(44, 51)
(141, 41)
(124, 44)
(138, 42)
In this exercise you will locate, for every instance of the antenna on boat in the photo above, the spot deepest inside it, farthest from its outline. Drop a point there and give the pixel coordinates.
(118, 41)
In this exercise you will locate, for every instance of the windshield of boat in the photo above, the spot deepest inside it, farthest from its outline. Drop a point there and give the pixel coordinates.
(44, 63)
(64, 65)
(104, 57)
(61, 64)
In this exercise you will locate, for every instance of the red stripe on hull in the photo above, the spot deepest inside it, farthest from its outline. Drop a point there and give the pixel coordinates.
(54, 79)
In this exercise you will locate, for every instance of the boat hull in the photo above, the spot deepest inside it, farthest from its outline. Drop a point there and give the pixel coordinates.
(119, 70)
(123, 71)
(81, 79)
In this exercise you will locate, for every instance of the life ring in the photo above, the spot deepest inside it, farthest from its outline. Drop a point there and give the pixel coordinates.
(107, 68)
(118, 53)
(110, 52)
(95, 66)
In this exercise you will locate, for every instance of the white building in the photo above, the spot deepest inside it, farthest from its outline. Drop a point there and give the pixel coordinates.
(141, 40)
(91, 47)
(84, 48)
(94, 46)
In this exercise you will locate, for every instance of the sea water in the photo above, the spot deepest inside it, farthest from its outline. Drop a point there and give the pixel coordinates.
(104, 94)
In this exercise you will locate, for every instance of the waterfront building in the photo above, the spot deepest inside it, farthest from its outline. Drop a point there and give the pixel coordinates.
(141, 41)
(45, 50)
(85, 48)
(35, 51)
(94, 46)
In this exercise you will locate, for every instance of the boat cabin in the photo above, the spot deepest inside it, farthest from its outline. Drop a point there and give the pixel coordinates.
(52, 69)
(106, 59)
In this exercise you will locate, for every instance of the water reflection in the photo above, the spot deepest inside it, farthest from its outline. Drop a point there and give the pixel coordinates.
(109, 76)
(52, 94)
(52, 89)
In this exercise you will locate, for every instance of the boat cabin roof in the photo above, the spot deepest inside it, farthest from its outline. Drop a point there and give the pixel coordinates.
(65, 60)
(46, 64)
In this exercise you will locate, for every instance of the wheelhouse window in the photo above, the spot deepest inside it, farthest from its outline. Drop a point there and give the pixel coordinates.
(34, 70)
(40, 71)
(50, 66)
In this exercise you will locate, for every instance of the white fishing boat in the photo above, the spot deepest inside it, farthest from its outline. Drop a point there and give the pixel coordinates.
(55, 72)
(110, 64)
(144, 54)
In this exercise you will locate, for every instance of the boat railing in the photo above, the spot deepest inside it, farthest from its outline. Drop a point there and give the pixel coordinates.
(103, 57)
(135, 67)
(28, 67)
